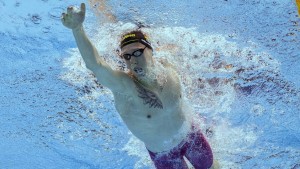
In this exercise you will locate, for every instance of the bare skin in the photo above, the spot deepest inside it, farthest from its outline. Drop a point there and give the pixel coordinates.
(150, 107)
(144, 105)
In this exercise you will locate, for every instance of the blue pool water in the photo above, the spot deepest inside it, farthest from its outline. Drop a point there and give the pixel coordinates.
(238, 62)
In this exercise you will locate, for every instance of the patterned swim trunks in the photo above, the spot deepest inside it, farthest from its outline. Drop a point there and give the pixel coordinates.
(195, 148)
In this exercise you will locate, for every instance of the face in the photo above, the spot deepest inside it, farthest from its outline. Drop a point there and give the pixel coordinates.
(137, 65)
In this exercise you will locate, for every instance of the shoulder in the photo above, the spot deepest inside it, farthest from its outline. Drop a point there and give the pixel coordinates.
(172, 80)
(166, 64)
(170, 69)
(123, 84)
(171, 73)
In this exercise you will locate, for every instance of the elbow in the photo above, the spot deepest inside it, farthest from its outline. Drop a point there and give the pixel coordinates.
(91, 66)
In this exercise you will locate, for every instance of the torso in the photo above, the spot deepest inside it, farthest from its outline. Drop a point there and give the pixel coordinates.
(154, 116)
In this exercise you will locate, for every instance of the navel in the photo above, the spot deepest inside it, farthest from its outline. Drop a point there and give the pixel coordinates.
(148, 116)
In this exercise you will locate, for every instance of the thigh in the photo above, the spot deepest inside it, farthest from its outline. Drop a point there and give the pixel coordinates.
(198, 151)
(170, 160)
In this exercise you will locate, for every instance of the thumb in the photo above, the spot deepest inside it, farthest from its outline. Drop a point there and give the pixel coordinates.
(82, 8)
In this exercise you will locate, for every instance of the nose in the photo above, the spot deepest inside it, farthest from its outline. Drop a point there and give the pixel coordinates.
(133, 61)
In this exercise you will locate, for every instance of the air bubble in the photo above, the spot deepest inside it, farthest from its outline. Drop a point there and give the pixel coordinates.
(36, 19)
(257, 110)
(46, 29)
(55, 13)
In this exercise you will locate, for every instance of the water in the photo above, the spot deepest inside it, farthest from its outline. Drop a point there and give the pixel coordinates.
(238, 62)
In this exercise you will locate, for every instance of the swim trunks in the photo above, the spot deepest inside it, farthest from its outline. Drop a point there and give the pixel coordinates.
(195, 148)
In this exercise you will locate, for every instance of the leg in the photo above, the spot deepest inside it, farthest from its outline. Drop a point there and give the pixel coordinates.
(215, 165)
(170, 160)
(199, 152)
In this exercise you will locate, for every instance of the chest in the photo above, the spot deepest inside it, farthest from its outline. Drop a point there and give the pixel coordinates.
(145, 102)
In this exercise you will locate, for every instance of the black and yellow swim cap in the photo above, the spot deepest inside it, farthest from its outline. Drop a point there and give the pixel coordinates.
(135, 36)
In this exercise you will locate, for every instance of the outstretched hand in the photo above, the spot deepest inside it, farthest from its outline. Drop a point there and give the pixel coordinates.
(74, 17)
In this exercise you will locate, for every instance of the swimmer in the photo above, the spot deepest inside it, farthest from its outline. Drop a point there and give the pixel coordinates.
(148, 101)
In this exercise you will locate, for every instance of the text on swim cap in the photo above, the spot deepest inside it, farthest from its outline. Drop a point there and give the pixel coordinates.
(127, 36)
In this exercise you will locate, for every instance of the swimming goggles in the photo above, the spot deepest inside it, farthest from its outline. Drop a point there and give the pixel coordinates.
(136, 53)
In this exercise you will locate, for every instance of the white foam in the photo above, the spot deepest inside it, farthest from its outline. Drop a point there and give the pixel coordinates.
(135, 147)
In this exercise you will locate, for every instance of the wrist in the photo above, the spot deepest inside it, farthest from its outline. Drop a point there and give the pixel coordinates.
(79, 28)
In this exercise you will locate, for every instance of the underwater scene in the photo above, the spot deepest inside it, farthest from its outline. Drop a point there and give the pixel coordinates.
(237, 60)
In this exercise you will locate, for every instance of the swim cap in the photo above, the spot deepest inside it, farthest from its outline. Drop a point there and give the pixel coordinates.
(135, 36)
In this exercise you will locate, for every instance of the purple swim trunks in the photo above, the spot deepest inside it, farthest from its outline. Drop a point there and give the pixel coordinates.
(195, 148)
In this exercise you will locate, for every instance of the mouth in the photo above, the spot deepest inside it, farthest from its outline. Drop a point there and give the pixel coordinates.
(139, 71)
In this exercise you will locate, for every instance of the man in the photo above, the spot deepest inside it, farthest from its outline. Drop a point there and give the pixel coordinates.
(148, 99)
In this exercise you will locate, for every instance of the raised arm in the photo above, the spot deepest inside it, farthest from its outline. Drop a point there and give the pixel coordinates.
(73, 19)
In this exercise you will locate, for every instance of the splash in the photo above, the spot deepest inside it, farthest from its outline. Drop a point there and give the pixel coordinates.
(215, 72)
(197, 54)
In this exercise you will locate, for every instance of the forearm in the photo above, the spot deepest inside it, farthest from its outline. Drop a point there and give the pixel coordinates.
(88, 52)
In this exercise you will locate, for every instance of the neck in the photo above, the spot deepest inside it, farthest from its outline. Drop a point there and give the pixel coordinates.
(149, 80)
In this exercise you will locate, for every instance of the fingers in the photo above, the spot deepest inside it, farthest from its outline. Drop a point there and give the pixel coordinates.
(63, 17)
(70, 9)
